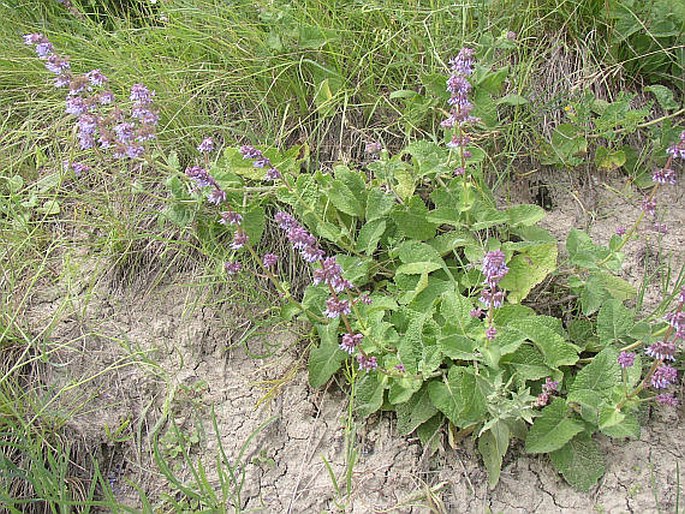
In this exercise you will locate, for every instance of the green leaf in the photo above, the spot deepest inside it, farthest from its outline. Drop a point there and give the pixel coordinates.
(369, 392)
(512, 99)
(416, 268)
(402, 388)
(553, 429)
(555, 349)
(595, 383)
(253, 224)
(607, 159)
(524, 215)
(580, 462)
(459, 397)
(628, 427)
(50, 208)
(414, 412)
(411, 220)
(528, 268)
(528, 363)
(614, 321)
(664, 96)
(370, 235)
(378, 204)
(325, 360)
(345, 200)
(493, 445)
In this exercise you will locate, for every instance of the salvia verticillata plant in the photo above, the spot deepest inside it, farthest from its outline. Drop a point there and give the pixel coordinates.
(422, 282)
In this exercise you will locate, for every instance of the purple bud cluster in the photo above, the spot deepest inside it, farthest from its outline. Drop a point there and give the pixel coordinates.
(260, 161)
(101, 122)
(548, 389)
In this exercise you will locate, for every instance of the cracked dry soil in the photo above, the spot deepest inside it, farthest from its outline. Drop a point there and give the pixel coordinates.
(168, 356)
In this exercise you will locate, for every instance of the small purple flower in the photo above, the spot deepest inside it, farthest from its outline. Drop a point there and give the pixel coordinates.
(550, 386)
(239, 239)
(273, 174)
(106, 97)
(662, 350)
(494, 267)
(463, 62)
(649, 206)
(232, 267)
(626, 359)
(542, 400)
(620, 231)
(490, 298)
(660, 228)
(400, 367)
(141, 95)
(677, 150)
(335, 307)
(216, 196)
(350, 342)
(34, 39)
(57, 64)
(124, 132)
(664, 176)
(365, 299)
(199, 175)
(476, 313)
(270, 260)
(667, 399)
(367, 363)
(44, 49)
(459, 171)
(96, 77)
(250, 152)
(491, 332)
(76, 106)
(134, 150)
(145, 115)
(230, 218)
(676, 320)
(330, 273)
(664, 376)
(206, 146)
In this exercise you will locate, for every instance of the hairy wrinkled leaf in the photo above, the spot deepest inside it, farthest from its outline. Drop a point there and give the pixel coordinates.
(553, 429)
(580, 461)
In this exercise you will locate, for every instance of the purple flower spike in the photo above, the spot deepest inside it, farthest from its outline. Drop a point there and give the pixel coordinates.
(141, 95)
(206, 146)
(350, 342)
(273, 174)
(620, 231)
(494, 267)
(335, 307)
(250, 152)
(649, 206)
(491, 332)
(199, 175)
(367, 363)
(664, 376)
(230, 218)
(662, 350)
(232, 267)
(239, 239)
(667, 399)
(664, 176)
(270, 260)
(626, 359)
(677, 150)
(96, 77)
(216, 196)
